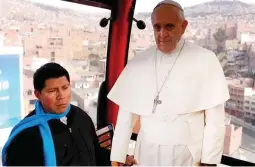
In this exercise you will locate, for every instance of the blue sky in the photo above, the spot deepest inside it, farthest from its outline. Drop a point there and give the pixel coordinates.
(142, 5)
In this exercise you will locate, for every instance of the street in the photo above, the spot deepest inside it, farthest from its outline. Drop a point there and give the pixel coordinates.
(248, 140)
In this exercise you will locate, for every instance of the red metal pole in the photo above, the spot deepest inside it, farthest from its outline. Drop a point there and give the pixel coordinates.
(117, 57)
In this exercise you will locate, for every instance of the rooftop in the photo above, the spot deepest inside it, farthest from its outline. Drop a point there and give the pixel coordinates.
(81, 81)
(27, 83)
(11, 50)
(84, 92)
(89, 73)
(28, 73)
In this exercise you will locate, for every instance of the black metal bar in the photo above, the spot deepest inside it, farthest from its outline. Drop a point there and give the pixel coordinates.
(102, 100)
(134, 136)
(230, 161)
(130, 18)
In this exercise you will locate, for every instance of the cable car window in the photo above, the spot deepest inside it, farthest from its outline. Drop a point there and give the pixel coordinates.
(228, 29)
(68, 34)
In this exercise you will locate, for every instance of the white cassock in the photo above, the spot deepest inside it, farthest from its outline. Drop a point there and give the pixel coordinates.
(188, 127)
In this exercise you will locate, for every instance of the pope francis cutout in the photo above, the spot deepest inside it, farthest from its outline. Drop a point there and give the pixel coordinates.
(177, 89)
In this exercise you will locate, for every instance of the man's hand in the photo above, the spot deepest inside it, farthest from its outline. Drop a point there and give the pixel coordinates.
(117, 163)
(129, 161)
(207, 165)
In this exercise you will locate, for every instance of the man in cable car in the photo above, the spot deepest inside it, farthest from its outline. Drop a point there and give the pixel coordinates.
(56, 133)
(177, 89)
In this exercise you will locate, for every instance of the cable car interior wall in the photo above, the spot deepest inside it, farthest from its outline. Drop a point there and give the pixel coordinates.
(120, 23)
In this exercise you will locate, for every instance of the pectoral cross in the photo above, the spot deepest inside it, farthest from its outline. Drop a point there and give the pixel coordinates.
(156, 103)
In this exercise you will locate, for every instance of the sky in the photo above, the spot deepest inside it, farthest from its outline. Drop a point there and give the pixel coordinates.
(141, 5)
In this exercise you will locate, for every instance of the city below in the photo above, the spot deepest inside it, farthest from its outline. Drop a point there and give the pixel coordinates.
(37, 34)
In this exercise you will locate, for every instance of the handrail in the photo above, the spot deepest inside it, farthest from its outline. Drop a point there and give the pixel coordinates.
(230, 161)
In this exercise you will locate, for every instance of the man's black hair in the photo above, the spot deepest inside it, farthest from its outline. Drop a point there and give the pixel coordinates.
(48, 71)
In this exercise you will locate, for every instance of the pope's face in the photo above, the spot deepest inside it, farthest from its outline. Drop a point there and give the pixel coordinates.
(168, 27)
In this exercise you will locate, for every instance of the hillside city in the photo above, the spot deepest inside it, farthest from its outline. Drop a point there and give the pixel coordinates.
(76, 41)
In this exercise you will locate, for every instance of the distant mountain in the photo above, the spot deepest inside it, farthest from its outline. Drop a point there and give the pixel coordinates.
(57, 9)
(220, 7)
(32, 10)
(27, 10)
(48, 7)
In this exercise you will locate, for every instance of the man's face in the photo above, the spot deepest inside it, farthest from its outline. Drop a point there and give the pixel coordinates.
(168, 27)
(56, 95)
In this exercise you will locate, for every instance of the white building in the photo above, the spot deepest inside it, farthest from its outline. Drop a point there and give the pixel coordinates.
(86, 99)
(91, 76)
(249, 109)
(239, 89)
(247, 37)
(82, 84)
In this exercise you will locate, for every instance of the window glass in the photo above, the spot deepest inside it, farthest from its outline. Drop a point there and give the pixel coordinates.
(35, 32)
(228, 29)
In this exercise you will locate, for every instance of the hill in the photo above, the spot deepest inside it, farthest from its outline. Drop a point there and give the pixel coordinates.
(219, 7)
